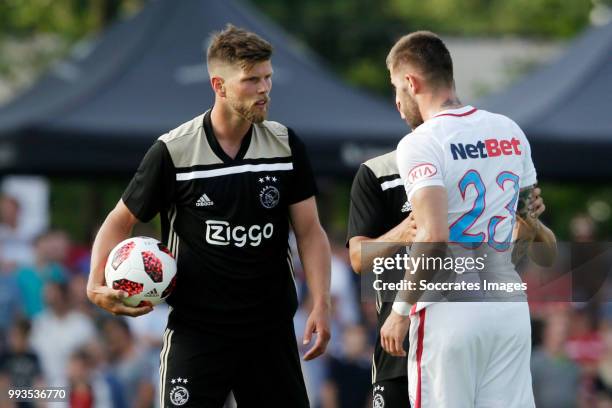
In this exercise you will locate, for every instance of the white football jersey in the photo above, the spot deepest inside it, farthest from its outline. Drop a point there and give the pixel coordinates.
(483, 159)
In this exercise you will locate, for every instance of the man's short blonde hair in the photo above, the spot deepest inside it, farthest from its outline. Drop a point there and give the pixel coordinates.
(426, 52)
(238, 47)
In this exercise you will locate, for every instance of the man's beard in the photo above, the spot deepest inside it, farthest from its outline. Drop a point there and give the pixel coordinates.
(411, 112)
(249, 111)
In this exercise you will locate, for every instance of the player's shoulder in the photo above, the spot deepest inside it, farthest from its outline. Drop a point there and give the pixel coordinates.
(508, 127)
(383, 165)
(188, 146)
(274, 129)
(191, 128)
(495, 116)
(270, 139)
(419, 137)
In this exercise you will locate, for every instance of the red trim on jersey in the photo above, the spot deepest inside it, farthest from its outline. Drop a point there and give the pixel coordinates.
(457, 114)
(419, 354)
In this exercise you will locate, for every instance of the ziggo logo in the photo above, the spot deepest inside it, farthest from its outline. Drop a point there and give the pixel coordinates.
(222, 233)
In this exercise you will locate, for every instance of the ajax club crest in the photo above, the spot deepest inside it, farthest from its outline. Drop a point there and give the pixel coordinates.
(269, 196)
(378, 400)
(178, 393)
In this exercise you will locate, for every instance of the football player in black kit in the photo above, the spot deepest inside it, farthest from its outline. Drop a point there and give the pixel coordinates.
(380, 212)
(228, 185)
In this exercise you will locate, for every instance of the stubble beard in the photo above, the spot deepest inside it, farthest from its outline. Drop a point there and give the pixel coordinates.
(249, 112)
(412, 112)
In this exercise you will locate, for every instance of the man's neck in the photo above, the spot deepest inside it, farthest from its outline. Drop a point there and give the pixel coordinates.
(228, 126)
(441, 101)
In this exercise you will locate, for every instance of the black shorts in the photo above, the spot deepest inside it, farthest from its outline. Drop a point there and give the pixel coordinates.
(199, 369)
(391, 393)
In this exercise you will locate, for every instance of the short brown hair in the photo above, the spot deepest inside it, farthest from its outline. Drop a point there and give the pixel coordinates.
(427, 52)
(236, 45)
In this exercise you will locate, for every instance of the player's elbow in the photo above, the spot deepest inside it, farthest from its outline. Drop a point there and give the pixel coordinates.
(355, 253)
(355, 257)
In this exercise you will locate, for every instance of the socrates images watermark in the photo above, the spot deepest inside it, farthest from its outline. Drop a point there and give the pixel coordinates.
(458, 264)
(579, 272)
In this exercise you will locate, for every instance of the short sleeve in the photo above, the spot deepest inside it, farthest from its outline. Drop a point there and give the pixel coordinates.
(529, 172)
(303, 183)
(420, 162)
(152, 187)
(529, 176)
(366, 205)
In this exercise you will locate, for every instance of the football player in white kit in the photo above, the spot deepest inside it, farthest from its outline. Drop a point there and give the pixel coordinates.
(463, 169)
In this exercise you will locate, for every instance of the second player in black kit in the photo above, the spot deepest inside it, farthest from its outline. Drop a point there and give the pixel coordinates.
(378, 204)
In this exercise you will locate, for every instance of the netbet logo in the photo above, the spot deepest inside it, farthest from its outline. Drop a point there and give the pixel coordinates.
(488, 148)
(222, 233)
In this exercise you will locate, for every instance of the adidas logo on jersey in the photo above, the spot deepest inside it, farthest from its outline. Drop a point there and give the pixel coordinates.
(204, 201)
(406, 207)
(152, 293)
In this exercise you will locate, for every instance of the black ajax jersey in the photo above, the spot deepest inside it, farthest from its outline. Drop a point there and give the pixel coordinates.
(226, 221)
(379, 203)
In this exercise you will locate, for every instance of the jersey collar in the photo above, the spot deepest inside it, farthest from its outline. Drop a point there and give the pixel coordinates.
(463, 111)
(216, 147)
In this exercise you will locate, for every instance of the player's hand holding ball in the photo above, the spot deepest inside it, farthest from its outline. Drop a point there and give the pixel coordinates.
(140, 272)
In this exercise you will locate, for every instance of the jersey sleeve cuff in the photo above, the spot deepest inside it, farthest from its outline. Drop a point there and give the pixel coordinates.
(402, 308)
(528, 181)
(421, 184)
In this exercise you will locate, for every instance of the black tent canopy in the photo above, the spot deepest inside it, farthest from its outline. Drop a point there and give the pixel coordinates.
(99, 110)
(565, 108)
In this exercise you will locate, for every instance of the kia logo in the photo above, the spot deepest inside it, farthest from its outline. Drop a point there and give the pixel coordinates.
(421, 171)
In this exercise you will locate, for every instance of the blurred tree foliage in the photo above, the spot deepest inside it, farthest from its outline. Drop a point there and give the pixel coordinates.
(354, 36)
(71, 19)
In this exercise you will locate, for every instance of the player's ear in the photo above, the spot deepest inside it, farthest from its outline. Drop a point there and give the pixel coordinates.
(218, 85)
(414, 83)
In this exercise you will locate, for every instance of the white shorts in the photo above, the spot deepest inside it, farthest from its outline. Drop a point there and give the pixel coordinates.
(470, 355)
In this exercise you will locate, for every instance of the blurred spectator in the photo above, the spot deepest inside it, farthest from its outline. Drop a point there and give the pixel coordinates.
(349, 381)
(585, 345)
(58, 332)
(582, 228)
(58, 247)
(10, 301)
(89, 387)
(15, 242)
(32, 278)
(128, 362)
(32, 194)
(556, 378)
(603, 380)
(149, 330)
(342, 287)
(19, 365)
(589, 260)
(80, 302)
(315, 370)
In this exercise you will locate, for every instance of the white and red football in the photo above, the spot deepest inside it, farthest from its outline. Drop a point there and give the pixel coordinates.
(144, 268)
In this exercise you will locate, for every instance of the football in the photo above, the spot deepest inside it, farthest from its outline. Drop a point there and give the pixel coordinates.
(144, 268)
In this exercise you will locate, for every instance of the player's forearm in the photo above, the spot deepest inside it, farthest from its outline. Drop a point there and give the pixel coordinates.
(359, 258)
(315, 254)
(114, 229)
(428, 245)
